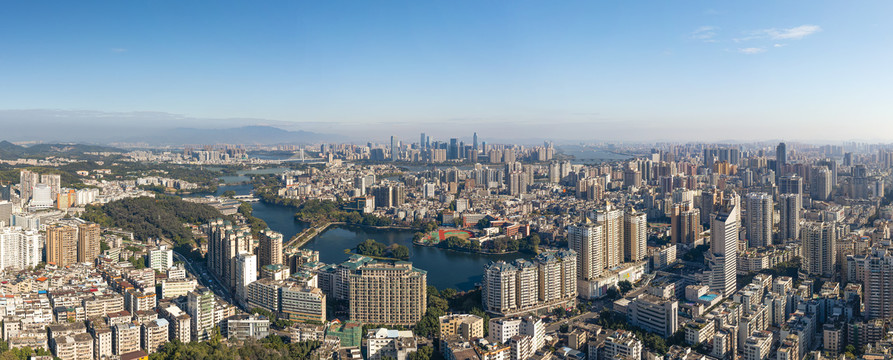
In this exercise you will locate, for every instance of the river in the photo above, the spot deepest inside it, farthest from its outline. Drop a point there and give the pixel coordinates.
(446, 268)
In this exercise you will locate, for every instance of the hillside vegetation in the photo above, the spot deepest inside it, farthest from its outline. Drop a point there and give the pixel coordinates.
(159, 217)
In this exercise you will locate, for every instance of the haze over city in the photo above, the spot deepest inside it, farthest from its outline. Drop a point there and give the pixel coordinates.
(576, 71)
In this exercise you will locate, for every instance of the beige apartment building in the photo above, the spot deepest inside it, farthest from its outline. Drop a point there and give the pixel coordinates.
(383, 293)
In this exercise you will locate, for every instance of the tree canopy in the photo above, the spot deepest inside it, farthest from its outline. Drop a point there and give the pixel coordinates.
(272, 347)
(374, 248)
(529, 244)
(7, 353)
(257, 224)
(159, 217)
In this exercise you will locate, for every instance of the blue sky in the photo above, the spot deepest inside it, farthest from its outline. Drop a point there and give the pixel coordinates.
(642, 70)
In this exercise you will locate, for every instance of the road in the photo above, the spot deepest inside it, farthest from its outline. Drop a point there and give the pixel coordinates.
(205, 278)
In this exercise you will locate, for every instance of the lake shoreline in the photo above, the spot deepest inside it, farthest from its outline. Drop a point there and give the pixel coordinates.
(351, 252)
(459, 270)
(466, 251)
(319, 229)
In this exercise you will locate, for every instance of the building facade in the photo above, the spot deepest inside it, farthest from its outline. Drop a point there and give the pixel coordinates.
(654, 314)
(88, 242)
(819, 248)
(759, 219)
(61, 245)
(723, 257)
(382, 293)
(789, 217)
(547, 282)
(585, 239)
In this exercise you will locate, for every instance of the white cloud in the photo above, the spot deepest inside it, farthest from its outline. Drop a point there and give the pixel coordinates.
(751, 50)
(119, 50)
(779, 45)
(794, 33)
(704, 33)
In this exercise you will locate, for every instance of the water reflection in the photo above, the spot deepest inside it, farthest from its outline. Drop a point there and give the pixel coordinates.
(446, 268)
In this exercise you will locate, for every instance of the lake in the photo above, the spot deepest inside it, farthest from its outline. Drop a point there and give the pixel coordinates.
(446, 268)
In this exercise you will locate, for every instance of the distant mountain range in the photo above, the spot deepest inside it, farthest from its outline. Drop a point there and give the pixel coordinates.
(152, 128)
(255, 135)
(249, 135)
(9, 150)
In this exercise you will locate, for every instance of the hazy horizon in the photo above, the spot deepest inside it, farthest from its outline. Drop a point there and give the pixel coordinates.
(570, 71)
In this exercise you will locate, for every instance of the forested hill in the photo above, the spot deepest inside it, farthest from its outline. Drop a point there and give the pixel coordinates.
(10, 151)
(162, 216)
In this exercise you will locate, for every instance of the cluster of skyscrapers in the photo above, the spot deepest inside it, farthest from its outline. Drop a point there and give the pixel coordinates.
(236, 259)
(616, 236)
(456, 150)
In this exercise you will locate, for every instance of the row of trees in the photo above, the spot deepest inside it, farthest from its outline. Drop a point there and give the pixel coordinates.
(376, 249)
(272, 347)
(529, 244)
(456, 243)
(25, 353)
(138, 262)
(696, 254)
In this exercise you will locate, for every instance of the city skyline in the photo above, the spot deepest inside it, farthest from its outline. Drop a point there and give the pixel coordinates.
(461, 180)
(683, 249)
(574, 71)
